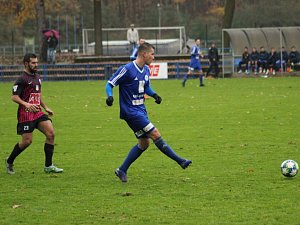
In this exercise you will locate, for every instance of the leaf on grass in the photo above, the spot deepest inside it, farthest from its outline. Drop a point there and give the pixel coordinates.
(124, 194)
(250, 170)
(292, 143)
(53, 175)
(16, 206)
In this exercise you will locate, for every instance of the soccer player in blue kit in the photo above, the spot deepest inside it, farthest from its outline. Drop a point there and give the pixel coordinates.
(133, 81)
(195, 63)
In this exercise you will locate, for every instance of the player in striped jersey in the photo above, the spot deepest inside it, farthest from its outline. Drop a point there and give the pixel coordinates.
(133, 81)
(27, 94)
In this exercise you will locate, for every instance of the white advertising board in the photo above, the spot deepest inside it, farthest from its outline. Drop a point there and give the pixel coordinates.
(159, 70)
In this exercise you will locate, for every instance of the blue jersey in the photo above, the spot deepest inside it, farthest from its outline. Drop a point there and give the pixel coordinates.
(195, 53)
(195, 63)
(134, 53)
(132, 82)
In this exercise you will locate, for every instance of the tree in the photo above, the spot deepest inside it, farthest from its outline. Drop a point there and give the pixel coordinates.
(228, 17)
(98, 27)
(41, 25)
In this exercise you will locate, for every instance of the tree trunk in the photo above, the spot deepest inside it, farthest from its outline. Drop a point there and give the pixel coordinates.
(98, 27)
(41, 25)
(228, 17)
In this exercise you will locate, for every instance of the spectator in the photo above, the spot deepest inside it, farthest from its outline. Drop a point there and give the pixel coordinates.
(132, 36)
(294, 58)
(51, 46)
(135, 50)
(272, 59)
(285, 57)
(213, 57)
(244, 61)
(253, 63)
(263, 60)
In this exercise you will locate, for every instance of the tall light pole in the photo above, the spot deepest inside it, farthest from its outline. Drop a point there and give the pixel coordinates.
(159, 19)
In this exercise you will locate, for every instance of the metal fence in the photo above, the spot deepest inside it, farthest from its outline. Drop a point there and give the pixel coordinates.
(85, 71)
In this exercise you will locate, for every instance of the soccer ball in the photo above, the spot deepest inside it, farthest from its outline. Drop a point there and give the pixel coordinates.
(289, 168)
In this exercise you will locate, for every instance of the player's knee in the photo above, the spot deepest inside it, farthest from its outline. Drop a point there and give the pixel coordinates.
(50, 135)
(154, 134)
(143, 145)
(26, 142)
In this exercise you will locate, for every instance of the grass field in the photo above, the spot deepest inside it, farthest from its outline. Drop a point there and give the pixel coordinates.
(236, 131)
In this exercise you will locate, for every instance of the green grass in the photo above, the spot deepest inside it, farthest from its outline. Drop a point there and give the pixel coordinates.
(236, 131)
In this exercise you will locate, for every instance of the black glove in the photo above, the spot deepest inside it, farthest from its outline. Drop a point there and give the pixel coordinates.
(109, 100)
(157, 98)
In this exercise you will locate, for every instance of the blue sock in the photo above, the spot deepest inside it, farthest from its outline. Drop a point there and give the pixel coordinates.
(134, 153)
(201, 79)
(167, 150)
(184, 79)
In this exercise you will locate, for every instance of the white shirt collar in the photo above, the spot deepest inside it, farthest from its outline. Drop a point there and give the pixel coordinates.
(138, 68)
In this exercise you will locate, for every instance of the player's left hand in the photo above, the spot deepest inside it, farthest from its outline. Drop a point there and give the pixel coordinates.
(49, 111)
(109, 100)
(157, 98)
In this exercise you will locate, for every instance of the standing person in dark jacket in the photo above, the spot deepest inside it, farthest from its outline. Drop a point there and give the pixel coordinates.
(293, 58)
(272, 66)
(244, 61)
(263, 60)
(254, 56)
(213, 57)
(51, 46)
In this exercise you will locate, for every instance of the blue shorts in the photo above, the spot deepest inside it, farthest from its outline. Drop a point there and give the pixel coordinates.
(195, 65)
(141, 126)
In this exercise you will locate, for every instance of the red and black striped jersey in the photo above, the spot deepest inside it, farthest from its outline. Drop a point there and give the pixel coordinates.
(28, 88)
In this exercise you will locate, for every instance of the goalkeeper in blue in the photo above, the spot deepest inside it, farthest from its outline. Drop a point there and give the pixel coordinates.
(134, 83)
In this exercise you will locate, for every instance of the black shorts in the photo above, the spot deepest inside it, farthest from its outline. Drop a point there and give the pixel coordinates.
(28, 127)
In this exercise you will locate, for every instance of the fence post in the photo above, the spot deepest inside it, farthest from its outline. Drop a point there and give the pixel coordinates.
(45, 72)
(107, 71)
(1, 73)
(177, 70)
(88, 71)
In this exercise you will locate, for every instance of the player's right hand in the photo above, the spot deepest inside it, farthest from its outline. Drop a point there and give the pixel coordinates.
(32, 108)
(110, 100)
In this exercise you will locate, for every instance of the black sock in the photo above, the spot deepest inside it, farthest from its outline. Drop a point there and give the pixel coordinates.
(13, 155)
(49, 149)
